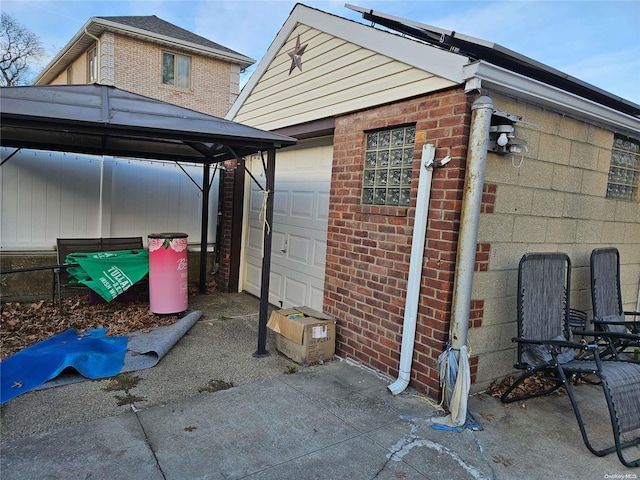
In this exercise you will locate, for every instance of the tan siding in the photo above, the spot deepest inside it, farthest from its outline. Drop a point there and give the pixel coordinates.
(78, 72)
(337, 77)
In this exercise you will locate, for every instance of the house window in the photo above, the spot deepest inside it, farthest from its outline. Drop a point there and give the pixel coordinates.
(388, 166)
(92, 65)
(176, 70)
(624, 172)
(69, 76)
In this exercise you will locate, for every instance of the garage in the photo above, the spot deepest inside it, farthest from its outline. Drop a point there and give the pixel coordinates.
(300, 217)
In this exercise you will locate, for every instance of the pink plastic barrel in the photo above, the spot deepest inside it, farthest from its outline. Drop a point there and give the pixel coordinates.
(168, 274)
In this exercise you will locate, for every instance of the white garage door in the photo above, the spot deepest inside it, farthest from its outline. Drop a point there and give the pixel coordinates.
(300, 213)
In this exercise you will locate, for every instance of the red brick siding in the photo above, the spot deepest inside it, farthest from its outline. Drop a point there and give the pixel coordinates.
(224, 272)
(368, 247)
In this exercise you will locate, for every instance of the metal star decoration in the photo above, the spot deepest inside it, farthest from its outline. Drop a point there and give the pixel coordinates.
(296, 55)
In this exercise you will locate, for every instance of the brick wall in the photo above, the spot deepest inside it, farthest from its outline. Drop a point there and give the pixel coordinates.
(369, 247)
(133, 65)
(550, 199)
(138, 68)
(224, 268)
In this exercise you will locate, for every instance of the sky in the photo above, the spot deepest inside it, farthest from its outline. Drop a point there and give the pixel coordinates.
(595, 41)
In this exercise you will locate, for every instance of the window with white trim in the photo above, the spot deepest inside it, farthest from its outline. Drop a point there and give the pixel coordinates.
(388, 166)
(92, 65)
(176, 70)
(624, 172)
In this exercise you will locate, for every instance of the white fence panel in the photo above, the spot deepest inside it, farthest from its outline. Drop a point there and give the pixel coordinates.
(48, 195)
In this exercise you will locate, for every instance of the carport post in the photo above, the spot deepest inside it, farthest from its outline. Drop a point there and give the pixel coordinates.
(266, 258)
(206, 186)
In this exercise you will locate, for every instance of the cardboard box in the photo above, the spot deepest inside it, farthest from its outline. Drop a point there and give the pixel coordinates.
(304, 335)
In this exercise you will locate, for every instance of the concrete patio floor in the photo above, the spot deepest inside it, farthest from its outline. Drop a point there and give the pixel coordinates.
(331, 421)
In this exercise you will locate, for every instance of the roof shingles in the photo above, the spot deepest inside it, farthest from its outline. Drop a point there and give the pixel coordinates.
(153, 24)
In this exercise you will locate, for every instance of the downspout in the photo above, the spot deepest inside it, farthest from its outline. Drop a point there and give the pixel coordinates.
(415, 269)
(638, 302)
(482, 109)
(98, 59)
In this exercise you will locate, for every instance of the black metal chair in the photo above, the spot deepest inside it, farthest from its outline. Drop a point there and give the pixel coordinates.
(545, 348)
(608, 314)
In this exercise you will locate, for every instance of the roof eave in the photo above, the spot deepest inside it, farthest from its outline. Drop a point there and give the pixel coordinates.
(243, 60)
(96, 26)
(447, 65)
(53, 68)
(509, 83)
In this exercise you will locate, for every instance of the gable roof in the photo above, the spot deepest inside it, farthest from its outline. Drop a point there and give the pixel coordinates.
(346, 66)
(148, 28)
(153, 24)
(455, 58)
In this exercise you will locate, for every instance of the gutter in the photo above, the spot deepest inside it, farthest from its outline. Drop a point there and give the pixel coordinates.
(483, 75)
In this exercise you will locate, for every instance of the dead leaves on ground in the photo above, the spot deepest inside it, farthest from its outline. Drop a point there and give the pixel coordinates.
(530, 386)
(502, 460)
(24, 324)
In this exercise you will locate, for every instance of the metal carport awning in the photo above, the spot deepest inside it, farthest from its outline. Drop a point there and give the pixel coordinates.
(104, 120)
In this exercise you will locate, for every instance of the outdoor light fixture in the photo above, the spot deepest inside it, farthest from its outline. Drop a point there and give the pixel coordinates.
(502, 137)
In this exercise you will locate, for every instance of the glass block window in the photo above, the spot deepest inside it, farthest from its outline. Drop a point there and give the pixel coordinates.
(387, 166)
(624, 173)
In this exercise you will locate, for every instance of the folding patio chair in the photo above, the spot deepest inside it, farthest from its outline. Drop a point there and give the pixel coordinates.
(545, 347)
(608, 315)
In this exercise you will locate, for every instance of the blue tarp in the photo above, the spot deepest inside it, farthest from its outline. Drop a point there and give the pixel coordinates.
(91, 353)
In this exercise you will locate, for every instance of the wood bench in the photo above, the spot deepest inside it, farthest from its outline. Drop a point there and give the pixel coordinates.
(65, 246)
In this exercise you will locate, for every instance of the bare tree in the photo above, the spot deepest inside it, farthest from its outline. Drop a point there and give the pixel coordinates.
(19, 47)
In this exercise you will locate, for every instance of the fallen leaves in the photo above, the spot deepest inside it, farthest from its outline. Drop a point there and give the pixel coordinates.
(530, 386)
(488, 417)
(216, 386)
(24, 324)
(500, 459)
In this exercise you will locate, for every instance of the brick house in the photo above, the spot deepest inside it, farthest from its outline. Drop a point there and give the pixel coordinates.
(363, 102)
(50, 195)
(149, 56)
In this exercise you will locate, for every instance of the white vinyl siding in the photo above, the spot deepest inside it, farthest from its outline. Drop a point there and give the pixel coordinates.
(47, 195)
(337, 77)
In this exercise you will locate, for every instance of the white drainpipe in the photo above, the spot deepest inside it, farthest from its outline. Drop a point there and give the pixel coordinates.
(98, 59)
(415, 269)
(482, 109)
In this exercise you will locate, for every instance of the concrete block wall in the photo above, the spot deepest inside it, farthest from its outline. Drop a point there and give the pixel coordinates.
(552, 199)
(369, 247)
